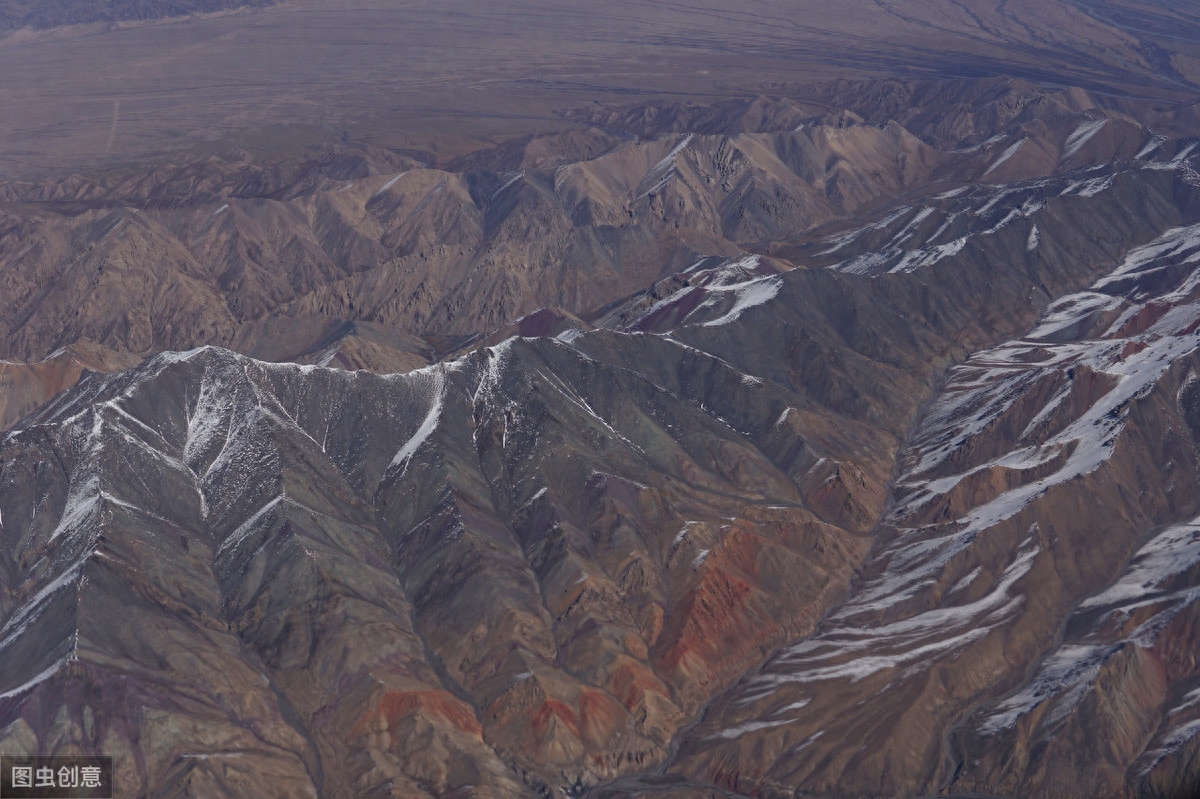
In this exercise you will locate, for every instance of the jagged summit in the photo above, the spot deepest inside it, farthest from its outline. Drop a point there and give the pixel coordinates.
(417, 260)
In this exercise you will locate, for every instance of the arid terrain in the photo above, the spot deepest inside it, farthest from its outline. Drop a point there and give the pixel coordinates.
(447, 77)
(614, 400)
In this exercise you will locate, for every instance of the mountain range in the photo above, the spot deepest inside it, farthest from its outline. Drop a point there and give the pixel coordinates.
(839, 438)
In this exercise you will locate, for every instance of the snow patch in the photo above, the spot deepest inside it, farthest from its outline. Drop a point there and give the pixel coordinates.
(747, 295)
(391, 182)
(1082, 135)
(518, 176)
(249, 526)
(428, 425)
(569, 335)
(1072, 668)
(1151, 147)
(742, 729)
(1169, 554)
(40, 678)
(1009, 153)
(662, 172)
(793, 706)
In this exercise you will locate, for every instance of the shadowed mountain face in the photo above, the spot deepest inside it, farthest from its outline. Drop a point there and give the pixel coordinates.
(874, 473)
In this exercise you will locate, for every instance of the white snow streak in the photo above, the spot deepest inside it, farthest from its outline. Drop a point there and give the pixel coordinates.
(1009, 153)
(428, 425)
(1082, 135)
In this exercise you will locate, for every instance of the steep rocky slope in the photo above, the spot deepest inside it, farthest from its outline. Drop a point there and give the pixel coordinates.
(1033, 477)
(529, 568)
(270, 260)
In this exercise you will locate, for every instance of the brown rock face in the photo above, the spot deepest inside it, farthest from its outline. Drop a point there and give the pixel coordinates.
(425, 250)
(224, 251)
(25, 386)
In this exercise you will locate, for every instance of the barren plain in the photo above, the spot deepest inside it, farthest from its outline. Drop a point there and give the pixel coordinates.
(447, 77)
